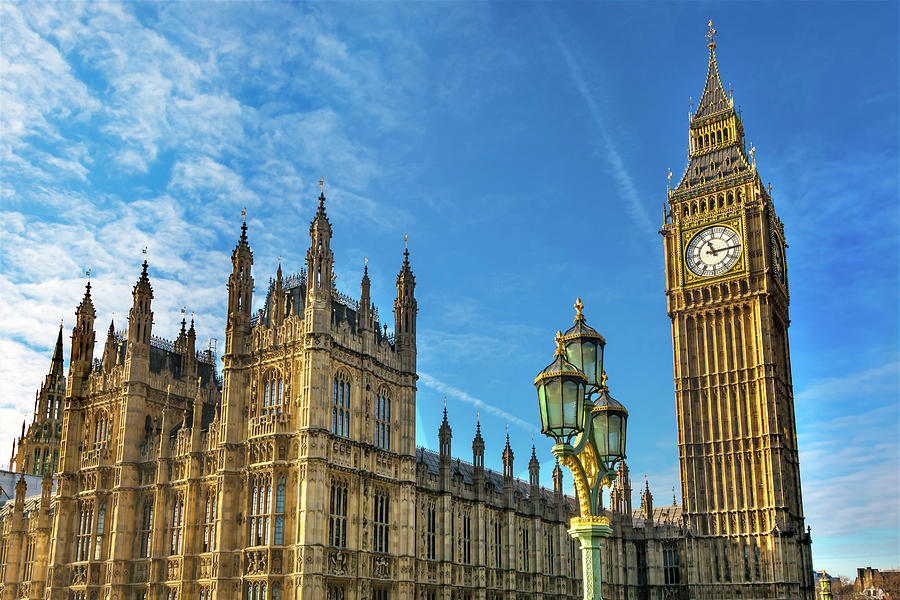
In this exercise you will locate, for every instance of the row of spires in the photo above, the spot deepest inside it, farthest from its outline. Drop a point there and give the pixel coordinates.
(620, 494)
(319, 292)
(445, 434)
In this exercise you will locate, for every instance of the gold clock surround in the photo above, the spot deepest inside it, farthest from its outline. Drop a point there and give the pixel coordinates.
(689, 278)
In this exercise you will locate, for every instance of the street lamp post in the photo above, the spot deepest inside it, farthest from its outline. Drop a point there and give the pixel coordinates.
(588, 426)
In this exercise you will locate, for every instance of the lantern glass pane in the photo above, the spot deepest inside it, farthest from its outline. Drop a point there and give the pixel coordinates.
(573, 353)
(615, 434)
(570, 404)
(542, 403)
(589, 361)
(600, 433)
(554, 404)
(579, 409)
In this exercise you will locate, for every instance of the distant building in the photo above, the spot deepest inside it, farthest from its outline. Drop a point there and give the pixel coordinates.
(874, 583)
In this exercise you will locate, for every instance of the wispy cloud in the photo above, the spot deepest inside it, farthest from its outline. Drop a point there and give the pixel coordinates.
(613, 156)
(856, 450)
(458, 394)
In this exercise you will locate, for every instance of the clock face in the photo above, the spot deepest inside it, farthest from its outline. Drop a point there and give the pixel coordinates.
(778, 259)
(713, 251)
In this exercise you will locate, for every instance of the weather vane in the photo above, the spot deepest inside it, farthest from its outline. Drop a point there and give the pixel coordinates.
(244, 214)
(322, 184)
(711, 35)
(88, 274)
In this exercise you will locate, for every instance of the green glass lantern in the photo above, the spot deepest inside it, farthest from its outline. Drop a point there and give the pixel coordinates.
(584, 348)
(561, 390)
(609, 422)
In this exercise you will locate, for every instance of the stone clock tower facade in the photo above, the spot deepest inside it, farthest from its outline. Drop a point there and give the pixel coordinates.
(728, 297)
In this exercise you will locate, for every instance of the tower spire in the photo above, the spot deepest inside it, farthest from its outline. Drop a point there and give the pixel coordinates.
(713, 98)
(717, 155)
(319, 271)
(56, 367)
(405, 309)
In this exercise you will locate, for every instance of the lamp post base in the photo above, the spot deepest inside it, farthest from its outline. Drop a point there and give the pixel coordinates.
(590, 531)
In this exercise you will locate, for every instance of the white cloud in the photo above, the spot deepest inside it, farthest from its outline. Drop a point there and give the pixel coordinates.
(464, 396)
(634, 205)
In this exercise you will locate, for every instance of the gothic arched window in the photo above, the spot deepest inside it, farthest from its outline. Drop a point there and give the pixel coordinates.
(337, 520)
(273, 394)
(383, 419)
(101, 430)
(101, 529)
(177, 525)
(279, 513)
(340, 410)
(260, 505)
(85, 526)
(209, 520)
(146, 532)
(381, 519)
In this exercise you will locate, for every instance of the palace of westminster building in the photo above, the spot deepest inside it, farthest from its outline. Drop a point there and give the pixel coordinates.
(147, 475)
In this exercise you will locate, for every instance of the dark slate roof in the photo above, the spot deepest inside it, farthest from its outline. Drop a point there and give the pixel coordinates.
(339, 313)
(206, 417)
(162, 359)
(343, 308)
(730, 159)
(713, 99)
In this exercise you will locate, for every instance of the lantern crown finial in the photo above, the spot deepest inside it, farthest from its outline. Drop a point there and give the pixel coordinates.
(578, 308)
(559, 347)
(603, 378)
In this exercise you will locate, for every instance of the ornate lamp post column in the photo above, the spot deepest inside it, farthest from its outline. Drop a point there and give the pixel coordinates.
(588, 426)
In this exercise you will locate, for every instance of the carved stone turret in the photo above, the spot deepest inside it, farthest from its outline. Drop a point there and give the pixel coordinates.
(445, 434)
(557, 479)
(647, 503)
(405, 310)
(82, 346)
(508, 456)
(319, 272)
(534, 473)
(140, 329)
(240, 297)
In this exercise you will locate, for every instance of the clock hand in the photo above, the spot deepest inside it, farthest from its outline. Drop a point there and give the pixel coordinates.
(726, 248)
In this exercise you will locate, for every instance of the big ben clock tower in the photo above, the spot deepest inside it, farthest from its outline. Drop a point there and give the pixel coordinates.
(728, 296)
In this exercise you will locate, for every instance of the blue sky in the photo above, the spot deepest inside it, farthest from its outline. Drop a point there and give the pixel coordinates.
(522, 147)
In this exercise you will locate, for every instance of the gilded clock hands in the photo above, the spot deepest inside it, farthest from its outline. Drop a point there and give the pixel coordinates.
(724, 249)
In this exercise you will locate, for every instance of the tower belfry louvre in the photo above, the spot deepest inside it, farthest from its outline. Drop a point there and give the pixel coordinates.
(727, 296)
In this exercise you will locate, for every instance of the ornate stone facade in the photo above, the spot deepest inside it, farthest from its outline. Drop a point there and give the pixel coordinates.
(296, 476)
(727, 290)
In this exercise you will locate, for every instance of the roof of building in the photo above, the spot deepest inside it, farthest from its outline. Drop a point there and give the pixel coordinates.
(461, 468)
(715, 168)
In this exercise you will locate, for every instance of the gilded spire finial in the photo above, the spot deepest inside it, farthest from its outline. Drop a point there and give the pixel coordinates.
(559, 348)
(711, 36)
(603, 379)
(753, 158)
(578, 308)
